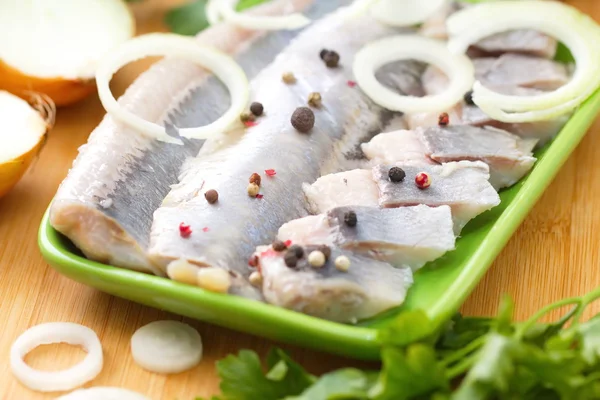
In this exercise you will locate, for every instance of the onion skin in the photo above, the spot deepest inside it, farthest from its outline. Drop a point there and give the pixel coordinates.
(11, 171)
(63, 92)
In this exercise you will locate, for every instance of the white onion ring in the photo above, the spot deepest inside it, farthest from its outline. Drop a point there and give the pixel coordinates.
(227, 10)
(576, 30)
(165, 44)
(213, 14)
(103, 393)
(405, 12)
(457, 67)
(50, 333)
(166, 347)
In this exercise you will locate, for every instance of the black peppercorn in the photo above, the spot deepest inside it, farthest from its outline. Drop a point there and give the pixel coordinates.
(298, 251)
(469, 98)
(290, 259)
(351, 219)
(211, 196)
(303, 119)
(396, 174)
(332, 59)
(278, 245)
(323, 53)
(257, 109)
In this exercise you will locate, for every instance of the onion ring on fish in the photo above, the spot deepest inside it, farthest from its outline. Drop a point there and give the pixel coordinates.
(56, 332)
(227, 10)
(573, 28)
(457, 67)
(405, 12)
(213, 14)
(166, 44)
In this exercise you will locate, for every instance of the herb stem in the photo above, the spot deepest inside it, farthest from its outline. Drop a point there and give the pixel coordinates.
(465, 351)
(460, 368)
(577, 301)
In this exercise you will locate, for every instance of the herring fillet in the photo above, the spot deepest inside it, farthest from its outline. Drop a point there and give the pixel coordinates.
(368, 288)
(405, 236)
(229, 231)
(120, 176)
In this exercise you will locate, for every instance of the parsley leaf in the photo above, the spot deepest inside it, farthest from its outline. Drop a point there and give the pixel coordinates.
(346, 383)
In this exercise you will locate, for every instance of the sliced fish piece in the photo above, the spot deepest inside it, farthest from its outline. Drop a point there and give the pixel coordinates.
(403, 146)
(508, 156)
(228, 232)
(406, 236)
(348, 188)
(403, 76)
(120, 177)
(461, 185)
(368, 288)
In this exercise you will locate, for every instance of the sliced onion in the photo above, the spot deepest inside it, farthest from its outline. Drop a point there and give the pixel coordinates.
(103, 393)
(227, 10)
(164, 44)
(166, 347)
(405, 12)
(50, 333)
(457, 67)
(213, 14)
(576, 30)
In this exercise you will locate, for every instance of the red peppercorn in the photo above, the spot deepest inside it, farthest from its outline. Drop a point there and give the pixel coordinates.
(253, 261)
(351, 84)
(184, 230)
(423, 180)
(444, 119)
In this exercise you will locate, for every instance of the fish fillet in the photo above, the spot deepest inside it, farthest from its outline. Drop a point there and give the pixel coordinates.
(406, 236)
(120, 177)
(368, 288)
(228, 232)
(461, 185)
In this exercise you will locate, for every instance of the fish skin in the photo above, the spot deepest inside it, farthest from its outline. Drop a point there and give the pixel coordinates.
(508, 156)
(461, 185)
(236, 224)
(120, 176)
(405, 236)
(368, 288)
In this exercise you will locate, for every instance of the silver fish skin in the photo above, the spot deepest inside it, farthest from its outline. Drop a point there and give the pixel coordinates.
(461, 185)
(228, 232)
(120, 176)
(508, 156)
(368, 288)
(406, 236)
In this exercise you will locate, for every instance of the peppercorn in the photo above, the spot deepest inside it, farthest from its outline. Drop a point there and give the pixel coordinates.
(255, 178)
(316, 259)
(253, 261)
(444, 119)
(288, 78)
(257, 109)
(278, 245)
(332, 59)
(342, 263)
(247, 117)
(253, 190)
(469, 98)
(351, 219)
(256, 278)
(315, 100)
(303, 119)
(323, 53)
(212, 196)
(298, 250)
(396, 174)
(326, 250)
(290, 258)
(422, 180)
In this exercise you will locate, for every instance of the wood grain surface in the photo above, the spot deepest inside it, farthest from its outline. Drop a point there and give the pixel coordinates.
(554, 254)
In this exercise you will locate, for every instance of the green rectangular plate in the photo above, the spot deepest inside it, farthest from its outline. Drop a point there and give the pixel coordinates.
(440, 288)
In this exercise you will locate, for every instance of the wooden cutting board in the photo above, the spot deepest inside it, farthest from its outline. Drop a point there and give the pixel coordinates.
(556, 253)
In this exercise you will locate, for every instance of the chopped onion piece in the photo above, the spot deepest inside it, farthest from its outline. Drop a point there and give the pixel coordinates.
(166, 347)
(213, 15)
(227, 10)
(50, 333)
(405, 12)
(457, 67)
(576, 30)
(164, 44)
(103, 393)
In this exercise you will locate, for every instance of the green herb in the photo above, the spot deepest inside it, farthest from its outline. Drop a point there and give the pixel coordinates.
(190, 18)
(470, 359)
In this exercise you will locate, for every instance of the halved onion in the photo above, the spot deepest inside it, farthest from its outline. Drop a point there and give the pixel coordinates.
(405, 12)
(165, 44)
(457, 67)
(227, 10)
(57, 332)
(54, 46)
(573, 28)
(103, 393)
(166, 347)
